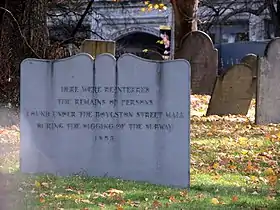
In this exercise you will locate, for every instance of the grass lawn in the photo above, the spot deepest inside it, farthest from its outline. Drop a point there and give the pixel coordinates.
(234, 165)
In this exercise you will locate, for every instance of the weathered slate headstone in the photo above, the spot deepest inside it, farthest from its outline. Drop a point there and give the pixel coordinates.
(106, 118)
(268, 85)
(197, 47)
(97, 47)
(233, 92)
(252, 61)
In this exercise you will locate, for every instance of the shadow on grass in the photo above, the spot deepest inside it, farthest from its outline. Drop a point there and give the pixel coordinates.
(11, 196)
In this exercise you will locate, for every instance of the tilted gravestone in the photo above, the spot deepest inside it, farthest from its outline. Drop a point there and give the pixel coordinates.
(268, 85)
(197, 47)
(252, 61)
(233, 92)
(107, 118)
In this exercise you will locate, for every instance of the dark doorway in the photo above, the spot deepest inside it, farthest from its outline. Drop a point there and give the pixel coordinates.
(138, 42)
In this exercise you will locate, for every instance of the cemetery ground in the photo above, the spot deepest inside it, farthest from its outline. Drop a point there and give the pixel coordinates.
(234, 165)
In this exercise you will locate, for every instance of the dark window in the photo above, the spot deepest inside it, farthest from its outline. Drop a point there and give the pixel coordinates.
(242, 36)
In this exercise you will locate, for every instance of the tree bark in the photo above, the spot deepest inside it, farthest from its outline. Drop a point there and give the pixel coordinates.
(22, 36)
(185, 14)
(276, 21)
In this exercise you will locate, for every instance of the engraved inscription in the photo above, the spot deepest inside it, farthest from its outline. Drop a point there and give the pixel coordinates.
(100, 118)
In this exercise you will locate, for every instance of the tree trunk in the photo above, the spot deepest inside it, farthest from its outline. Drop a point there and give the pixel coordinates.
(277, 20)
(276, 26)
(185, 14)
(25, 38)
(274, 14)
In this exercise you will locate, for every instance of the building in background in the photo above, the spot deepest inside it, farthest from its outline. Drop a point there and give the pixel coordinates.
(135, 30)
(229, 21)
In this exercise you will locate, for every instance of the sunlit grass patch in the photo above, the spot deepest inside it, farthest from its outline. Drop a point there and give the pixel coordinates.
(226, 173)
(80, 192)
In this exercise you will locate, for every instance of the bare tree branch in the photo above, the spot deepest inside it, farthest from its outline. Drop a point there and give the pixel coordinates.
(82, 18)
(249, 10)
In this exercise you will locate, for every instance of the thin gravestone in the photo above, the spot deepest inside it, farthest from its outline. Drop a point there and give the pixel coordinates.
(268, 85)
(197, 47)
(252, 61)
(107, 118)
(233, 92)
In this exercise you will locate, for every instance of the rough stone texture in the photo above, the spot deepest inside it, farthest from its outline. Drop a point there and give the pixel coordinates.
(233, 92)
(252, 61)
(146, 136)
(268, 85)
(198, 49)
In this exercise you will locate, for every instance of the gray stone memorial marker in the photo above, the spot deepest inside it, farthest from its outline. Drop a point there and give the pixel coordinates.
(268, 85)
(233, 92)
(125, 118)
(252, 61)
(197, 47)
